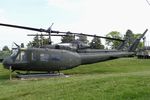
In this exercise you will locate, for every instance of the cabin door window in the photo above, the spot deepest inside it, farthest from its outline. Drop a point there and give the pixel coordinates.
(33, 57)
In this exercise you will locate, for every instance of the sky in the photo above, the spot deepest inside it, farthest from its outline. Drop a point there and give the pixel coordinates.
(97, 17)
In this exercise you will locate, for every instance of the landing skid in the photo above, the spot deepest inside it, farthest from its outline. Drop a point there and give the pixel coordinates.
(40, 75)
(29, 75)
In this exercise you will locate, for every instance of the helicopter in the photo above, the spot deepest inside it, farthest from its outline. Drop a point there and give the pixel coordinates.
(57, 57)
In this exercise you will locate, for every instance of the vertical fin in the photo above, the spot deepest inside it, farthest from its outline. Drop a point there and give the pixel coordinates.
(136, 42)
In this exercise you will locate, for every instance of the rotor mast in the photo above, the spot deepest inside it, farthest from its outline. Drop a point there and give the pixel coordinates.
(50, 29)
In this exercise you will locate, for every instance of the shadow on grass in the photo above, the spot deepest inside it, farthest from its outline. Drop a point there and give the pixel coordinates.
(14, 96)
(4, 77)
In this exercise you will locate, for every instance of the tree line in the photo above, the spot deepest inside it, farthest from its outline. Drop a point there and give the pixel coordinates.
(95, 43)
(129, 37)
(41, 40)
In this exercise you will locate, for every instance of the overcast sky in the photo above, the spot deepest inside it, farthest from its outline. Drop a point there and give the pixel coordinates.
(87, 16)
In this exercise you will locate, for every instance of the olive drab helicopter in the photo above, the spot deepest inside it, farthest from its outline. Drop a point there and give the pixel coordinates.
(50, 58)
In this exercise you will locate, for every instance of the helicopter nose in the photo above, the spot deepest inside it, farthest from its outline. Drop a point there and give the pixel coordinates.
(7, 62)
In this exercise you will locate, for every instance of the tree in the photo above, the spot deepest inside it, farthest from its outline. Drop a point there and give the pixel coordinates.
(30, 44)
(96, 43)
(67, 38)
(129, 37)
(43, 40)
(112, 43)
(83, 39)
(141, 44)
(5, 48)
(38, 41)
(4, 53)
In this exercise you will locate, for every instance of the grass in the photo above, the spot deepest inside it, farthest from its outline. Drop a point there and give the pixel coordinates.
(121, 79)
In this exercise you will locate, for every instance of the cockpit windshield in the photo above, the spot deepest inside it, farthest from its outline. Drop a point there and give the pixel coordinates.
(14, 52)
(21, 56)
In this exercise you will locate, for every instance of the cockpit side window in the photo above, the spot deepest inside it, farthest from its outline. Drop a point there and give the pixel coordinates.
(14, 52)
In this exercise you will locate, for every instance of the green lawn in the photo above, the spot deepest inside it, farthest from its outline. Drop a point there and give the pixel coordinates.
(121, 79)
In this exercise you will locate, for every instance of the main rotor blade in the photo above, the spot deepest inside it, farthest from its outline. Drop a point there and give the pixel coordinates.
(52, 31)
(45, 35)
(96, 36)
(28, 28)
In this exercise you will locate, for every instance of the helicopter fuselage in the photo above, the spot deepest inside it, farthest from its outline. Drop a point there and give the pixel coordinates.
(45, 59)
